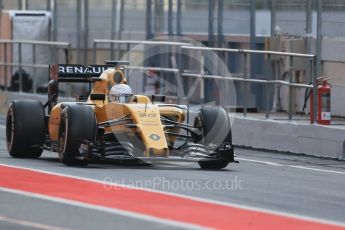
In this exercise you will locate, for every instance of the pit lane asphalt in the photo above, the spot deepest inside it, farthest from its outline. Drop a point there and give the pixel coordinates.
(299, 185)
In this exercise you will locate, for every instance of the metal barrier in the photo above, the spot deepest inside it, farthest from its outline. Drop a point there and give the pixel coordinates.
(245, 79)
(34, 65)
(128, 44)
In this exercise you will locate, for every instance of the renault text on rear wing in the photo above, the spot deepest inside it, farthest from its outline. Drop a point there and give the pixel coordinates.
(76, 73)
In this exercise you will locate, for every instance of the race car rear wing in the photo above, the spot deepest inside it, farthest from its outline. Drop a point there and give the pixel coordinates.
(80, 73)
(76, 73)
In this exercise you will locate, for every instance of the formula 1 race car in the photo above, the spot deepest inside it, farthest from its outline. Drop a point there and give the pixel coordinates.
(101, 125)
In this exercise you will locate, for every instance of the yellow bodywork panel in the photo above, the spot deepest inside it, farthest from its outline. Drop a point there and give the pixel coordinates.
(147, 119)
(54, 122)
(141, 99)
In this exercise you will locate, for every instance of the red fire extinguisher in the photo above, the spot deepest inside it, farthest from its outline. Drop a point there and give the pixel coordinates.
(323, 103)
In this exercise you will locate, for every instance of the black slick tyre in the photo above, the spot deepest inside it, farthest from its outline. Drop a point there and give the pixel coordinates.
(25, 129)
(215, 126)
(77, 124)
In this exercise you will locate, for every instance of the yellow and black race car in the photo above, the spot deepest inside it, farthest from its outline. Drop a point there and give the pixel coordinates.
(98, 126)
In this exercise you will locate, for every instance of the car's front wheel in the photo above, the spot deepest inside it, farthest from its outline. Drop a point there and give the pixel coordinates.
(77, 124)
(215, 127)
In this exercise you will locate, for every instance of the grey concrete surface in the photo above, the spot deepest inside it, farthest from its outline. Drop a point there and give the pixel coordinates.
(280, 182)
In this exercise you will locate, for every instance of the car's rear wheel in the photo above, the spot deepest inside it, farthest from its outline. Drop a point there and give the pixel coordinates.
(25, 128)
(215, 126)
(77, 124)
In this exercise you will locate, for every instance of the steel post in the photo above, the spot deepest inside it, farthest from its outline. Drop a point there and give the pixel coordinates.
(208, 86)
(309, 16)
(121, 20)
(252, 36)
(48, 5)
(112, 27)
(273, 17)
(179, 18)
(252, 43)
(25, 5)
(290, 88)
(220, 23)
(5, 67)
(86, 31)
(78, 29)
(170, 18)
(308, 38)
(210, 23)
(55, 23)
(319, 38)
(315, 89)
(245, 76)
(34, 68)
(149, 34)
(252, 24)
(20, 67)
(157, 16)
(267, 91)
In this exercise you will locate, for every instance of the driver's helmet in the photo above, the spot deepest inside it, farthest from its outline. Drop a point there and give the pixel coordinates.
(121, 93)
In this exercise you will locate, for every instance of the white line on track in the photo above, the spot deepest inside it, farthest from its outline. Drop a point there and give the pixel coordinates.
(290, 166)
(105, 209)
(232, 205)
(29, 224)
(258, 161)
(2, 126)
(316, 169)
